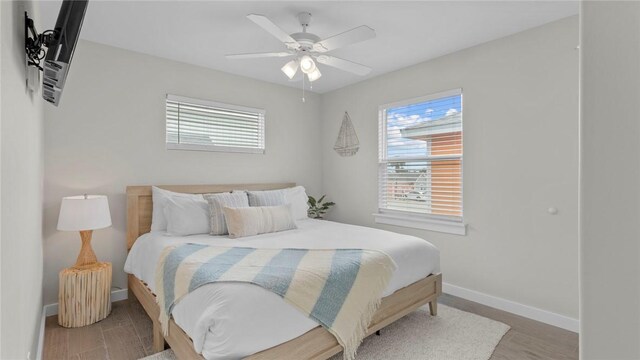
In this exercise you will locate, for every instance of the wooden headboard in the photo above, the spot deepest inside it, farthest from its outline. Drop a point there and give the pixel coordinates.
(140, 205)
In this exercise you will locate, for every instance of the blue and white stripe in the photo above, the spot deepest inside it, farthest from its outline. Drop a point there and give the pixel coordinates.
(320, 283)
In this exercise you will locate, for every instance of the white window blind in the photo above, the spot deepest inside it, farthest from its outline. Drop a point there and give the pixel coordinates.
(420, 157)
(194, 124)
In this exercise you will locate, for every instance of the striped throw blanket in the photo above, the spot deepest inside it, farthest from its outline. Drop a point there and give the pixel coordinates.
(340, 289)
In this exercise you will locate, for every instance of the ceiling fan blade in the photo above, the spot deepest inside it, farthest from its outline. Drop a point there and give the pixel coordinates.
(361, 33)
(258, 55)
(274, 30)
(344, 65)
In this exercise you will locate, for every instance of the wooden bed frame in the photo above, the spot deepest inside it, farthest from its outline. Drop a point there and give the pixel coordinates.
(316, 344)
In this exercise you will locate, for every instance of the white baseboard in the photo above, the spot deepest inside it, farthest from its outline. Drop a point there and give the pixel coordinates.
(513, 307)
(119, 295)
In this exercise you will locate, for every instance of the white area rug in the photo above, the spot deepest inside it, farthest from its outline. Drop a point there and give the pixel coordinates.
(452, 335)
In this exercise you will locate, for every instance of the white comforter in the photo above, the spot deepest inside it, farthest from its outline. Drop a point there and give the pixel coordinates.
(233, 320)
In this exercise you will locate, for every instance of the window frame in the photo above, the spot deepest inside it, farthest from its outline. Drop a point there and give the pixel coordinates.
(215, 148)
(434, 222)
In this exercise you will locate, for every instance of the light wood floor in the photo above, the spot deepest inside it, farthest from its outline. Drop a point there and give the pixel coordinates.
(126, 334)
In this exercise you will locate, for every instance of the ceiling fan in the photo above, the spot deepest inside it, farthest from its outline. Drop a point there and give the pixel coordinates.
(308, 48)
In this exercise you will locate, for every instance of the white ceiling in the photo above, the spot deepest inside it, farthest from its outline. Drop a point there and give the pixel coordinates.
(201, 33)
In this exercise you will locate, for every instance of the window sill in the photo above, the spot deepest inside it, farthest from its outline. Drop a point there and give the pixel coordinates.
(213, 148)
(412, 221)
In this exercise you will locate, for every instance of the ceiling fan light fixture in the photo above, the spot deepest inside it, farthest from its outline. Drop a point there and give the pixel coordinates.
(306, 48)
(307, 65)
(290, 69)
(314, 75)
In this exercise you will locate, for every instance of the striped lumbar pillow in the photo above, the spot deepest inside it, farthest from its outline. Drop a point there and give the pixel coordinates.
(296, 196)
(217, 202)
(256, 220)
(267, 197)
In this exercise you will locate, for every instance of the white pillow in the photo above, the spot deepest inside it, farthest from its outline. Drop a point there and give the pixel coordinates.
(160, 196)
(296, 196)
(249, 221)
(217, 202)
(186, 216)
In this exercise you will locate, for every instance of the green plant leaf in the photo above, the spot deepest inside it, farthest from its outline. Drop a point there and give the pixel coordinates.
(321, 198)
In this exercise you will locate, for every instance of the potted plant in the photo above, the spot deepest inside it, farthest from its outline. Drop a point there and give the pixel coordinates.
(317, 208)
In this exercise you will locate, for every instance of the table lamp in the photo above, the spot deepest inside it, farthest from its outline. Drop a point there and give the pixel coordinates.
(84, 213)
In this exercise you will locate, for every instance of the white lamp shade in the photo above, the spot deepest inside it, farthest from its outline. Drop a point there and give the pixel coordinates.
(290, 68)
(84, 212)
(314, 75)
(307, 65)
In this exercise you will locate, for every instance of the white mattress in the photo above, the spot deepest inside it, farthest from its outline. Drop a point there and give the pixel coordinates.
(234, 320)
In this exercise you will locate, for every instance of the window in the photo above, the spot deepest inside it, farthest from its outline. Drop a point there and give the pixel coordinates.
(420, 163)
(194, 124)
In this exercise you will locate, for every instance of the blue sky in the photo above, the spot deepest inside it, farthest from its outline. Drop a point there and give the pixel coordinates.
(405, 116)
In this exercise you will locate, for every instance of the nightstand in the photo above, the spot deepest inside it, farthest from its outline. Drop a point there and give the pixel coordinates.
(85, 294)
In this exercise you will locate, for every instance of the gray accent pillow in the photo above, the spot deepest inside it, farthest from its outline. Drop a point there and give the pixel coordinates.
(219, 201)
(267, 197)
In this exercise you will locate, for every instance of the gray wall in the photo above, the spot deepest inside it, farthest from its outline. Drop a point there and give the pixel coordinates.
(21, 170)
(109, 132)
(610, 175)
(520, 157)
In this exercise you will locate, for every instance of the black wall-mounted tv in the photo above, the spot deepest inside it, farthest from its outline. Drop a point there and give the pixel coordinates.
(61, 48)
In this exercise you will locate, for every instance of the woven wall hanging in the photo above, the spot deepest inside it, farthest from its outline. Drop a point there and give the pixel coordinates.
(347, 143)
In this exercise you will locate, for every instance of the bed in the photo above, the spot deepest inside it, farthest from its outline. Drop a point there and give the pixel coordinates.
(213, 321)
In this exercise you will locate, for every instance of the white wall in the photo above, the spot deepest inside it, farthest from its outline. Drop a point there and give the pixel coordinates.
(21, 172)
(109, 132)
(610, 175)
(2, 50)
(520, 157)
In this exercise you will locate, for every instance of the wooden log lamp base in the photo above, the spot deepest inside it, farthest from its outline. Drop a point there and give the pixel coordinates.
(86, 257)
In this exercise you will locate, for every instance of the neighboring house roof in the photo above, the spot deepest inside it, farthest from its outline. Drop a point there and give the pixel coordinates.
(447, 124)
